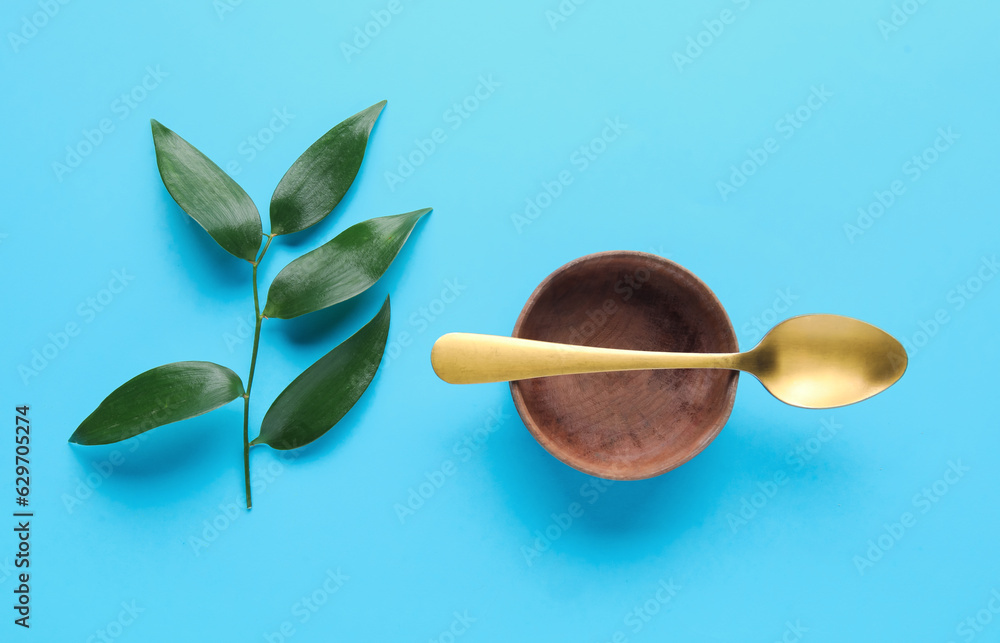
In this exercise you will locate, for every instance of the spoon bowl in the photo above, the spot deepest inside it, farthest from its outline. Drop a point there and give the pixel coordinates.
(824, 361)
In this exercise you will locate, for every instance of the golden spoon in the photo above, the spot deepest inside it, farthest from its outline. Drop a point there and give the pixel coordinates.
(811, 361)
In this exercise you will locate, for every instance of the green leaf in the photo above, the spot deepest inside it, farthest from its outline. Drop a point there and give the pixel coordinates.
(341, 268)
(320, 396)
(208, 194)
(319, 179)
(159, 396)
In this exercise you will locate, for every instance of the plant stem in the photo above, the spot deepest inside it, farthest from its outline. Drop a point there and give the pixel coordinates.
(253, 364)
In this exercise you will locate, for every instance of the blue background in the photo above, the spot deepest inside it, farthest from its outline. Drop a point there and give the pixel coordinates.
(163, 529)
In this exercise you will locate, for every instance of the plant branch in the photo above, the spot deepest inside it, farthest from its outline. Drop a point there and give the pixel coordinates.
(253, 364)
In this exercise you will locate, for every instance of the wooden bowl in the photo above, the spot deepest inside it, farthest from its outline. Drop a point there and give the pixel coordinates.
(635, 424)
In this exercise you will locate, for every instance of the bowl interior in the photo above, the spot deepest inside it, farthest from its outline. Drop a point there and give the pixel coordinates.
(635, 424)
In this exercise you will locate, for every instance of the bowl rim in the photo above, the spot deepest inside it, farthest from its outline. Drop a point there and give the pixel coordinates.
(582, 464)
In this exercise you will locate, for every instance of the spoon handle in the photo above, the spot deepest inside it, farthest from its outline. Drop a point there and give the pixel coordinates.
(467, 358)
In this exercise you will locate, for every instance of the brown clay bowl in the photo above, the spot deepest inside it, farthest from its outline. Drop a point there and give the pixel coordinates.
(635, 424)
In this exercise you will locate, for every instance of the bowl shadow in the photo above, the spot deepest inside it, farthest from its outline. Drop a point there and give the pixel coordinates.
(629, 521)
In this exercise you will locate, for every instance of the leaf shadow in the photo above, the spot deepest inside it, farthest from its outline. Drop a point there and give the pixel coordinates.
(173, 454)
(341, 320)
(200, 253)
